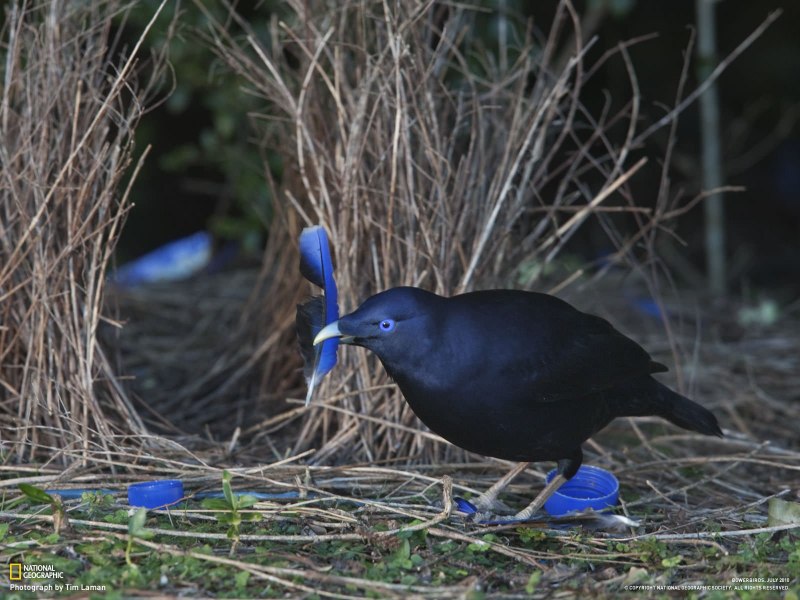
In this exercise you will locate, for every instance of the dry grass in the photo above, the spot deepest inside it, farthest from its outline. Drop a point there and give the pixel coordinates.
(431, 164)
(67, 113)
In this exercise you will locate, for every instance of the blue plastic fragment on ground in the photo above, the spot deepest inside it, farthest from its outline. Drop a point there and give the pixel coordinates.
(465, 506)
(171, 262)
(74, 493)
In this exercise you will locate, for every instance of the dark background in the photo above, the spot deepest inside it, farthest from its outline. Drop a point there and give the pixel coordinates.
(205, 172)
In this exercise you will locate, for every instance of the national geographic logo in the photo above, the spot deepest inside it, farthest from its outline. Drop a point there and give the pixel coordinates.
(20, 571)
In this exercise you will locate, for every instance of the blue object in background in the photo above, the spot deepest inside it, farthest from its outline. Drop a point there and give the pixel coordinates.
(292, 495)
(155, 494)
(647, 306)
(176, 260)
(591, 487)
(77, 493)
(316, 266)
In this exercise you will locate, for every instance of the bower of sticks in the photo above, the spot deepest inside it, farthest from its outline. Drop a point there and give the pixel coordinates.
(429, 165)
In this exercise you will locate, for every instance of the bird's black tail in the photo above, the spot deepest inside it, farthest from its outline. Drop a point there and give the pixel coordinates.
(647, 396)
(685, 413)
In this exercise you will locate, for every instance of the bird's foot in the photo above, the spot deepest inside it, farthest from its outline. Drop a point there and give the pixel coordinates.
(484, 505)
(491, 504)
(493, 519)
(488, 516)
(487, 512)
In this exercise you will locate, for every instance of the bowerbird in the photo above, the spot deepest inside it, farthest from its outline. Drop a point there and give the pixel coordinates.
(516, 375)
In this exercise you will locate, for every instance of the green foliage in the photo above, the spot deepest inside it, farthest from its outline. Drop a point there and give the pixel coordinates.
(483, 544)
(407, 558)
(792, 548)
(37, 495)
(136, 529)
(96, 502)
(119, 517)
(136, 525)
(618, 8)
(203, 129)
(672, 561)
(232, 504)
(533, 582)
(530, 536)
(783, 512)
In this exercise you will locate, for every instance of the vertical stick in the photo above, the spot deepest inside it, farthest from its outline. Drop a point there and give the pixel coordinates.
(712, 162)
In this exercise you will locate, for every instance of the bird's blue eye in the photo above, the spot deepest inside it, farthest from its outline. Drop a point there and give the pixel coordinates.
(387, 325)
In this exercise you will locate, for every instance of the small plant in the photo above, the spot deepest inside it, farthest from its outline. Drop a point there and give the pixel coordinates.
(231, 503)
(96, 503)
(136, 529)
(38, 496)
(533, 582)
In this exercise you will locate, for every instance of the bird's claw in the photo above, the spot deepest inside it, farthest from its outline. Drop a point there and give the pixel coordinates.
(481, 516)
(488, 518)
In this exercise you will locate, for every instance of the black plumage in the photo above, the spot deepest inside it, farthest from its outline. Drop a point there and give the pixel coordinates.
(515, 375)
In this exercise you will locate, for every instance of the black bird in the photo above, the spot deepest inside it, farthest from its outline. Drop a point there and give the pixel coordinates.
(515, 375)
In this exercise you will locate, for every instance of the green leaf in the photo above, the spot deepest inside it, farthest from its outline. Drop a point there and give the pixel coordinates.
(136, 526)
(119, 517)
(245, 500)
(226, 489)
(672, 561)
(479, 546)
(51, 538)
(404, 551)
(215, 504)
(240, 579)
(3, 531)
(782, 512)
(533, 582)
(35, 494)
(136, 521)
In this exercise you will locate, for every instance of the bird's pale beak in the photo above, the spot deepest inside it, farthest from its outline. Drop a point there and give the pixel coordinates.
(331, 330)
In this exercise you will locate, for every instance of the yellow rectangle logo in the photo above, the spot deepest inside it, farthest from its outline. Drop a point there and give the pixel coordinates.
(15, 571)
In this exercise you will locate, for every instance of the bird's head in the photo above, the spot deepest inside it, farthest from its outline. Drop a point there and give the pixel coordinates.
(388, 323)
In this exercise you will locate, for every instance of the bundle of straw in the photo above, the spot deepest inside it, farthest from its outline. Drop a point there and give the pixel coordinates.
(430, 162)
(68, 109)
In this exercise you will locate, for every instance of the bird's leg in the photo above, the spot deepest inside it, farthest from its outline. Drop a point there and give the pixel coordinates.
(567, 467)
(527, 512)
(488, 502)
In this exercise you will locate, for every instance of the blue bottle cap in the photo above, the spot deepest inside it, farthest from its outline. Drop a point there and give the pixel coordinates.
(591, 487)
(155, 494)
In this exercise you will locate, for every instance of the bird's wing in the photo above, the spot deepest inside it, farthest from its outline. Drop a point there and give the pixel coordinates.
(587, 362)
(549, 348)
(593, 363)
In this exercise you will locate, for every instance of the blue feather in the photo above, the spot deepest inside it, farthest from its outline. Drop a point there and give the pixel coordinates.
(465, 506)
(317, 267)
